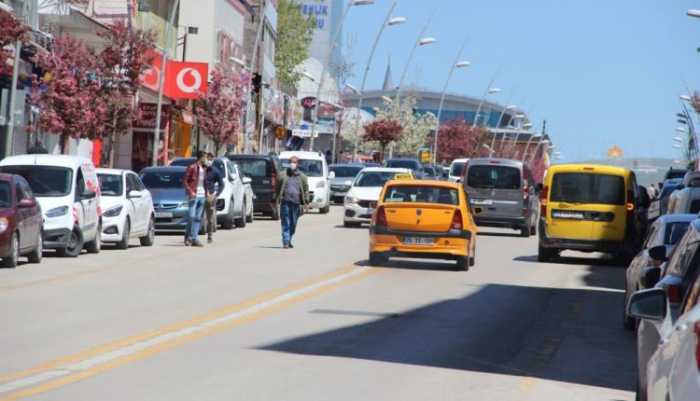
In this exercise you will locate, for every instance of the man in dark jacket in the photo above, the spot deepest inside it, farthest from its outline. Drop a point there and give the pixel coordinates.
(38, 148)
(291, 194)
(196, 190)
(215, 186)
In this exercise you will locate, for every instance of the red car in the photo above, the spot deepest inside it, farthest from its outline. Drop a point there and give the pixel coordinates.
(20, 222)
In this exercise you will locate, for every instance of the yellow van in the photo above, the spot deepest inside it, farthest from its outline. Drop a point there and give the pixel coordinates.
(589, 208)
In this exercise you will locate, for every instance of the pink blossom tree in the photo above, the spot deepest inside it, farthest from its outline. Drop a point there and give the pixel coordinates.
(384, 132)
(11, 29)
(457, 139)
(219, 111)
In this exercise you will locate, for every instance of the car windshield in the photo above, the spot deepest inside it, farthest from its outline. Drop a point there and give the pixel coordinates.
(369, 179)
(457, 169)
(410, 164)
(671, 174)
(493, 176)
(253, 167)
(163, 179)
(312, 168)
(429, 171)
(674, 232)
(5, 194)
(421, 194)
(45, 181)
(346, 171)
(669, 187)
(604, 189)
(110, 184)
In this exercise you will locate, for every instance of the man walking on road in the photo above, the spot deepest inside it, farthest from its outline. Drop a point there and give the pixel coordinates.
(196, 189)
(215, 186)
(291, 194)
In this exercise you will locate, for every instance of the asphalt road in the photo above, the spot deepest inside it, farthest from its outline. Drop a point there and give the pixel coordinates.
(245, 319)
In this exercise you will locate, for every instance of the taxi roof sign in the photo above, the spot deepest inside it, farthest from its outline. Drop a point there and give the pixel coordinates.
(403, 176)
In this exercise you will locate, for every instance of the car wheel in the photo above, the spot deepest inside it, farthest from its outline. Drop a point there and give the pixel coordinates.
(13, 256)
(95, 245)
(75, 244)
(525, 231)
(275, 213)
(251, 217)
(38, 252)
(533, 229)
(241, 221)
(377, 259)
(149, 239)
(229, 222)
(463, 263)
(544, 255)
(628, 322)
(325, 210)
(124, 243)
(472, 259)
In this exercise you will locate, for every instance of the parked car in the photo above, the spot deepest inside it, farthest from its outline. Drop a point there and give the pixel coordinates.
(411, 164)
(429, 172)
(691, 179)
(249, 195)
(672, 173)
(69, 194)
(659, 205)
(344, 176)
(231, 205)
(363, 196)
(444, 228)
(314, 165)
(590, 208)
(456, 170)
(676, 276)
(170, 202)
(20, 222)
(673, 371)
(506, 191)
(263, 170)
(127, 208)
(686, 200)
(666, 231)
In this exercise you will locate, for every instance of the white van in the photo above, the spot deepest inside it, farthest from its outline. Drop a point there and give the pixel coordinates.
(456, 169)
(68, 191)
(314, 165)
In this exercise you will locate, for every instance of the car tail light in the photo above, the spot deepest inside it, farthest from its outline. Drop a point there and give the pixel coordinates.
(674, 294)
(456, 220)
(630, 206)
(543, 201)
(526, 211)
(381, 218)
(696, 329)
(527, 188)
(464, 170)
(273, 184)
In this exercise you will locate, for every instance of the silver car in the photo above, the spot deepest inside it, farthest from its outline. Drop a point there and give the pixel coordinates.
(506, 192)
(344, 176)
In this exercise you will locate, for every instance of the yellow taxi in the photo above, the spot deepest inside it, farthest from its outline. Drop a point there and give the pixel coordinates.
(423, 219)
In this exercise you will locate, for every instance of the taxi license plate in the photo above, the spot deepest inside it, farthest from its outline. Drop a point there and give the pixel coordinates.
(164, 215)
(484, 202)
(418, 241)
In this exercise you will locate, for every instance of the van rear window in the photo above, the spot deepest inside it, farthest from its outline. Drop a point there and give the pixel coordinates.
(602, 189)
(493, 177)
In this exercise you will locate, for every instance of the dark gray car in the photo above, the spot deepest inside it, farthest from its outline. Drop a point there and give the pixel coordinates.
(505, 190)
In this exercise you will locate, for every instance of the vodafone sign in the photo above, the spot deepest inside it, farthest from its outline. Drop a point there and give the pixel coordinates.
(186, 80)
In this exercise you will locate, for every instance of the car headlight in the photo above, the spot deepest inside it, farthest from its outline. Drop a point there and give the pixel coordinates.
(321, 184)
(57, 211)
(4, 223)
(351, 200)
(113, 212)
(185, 204)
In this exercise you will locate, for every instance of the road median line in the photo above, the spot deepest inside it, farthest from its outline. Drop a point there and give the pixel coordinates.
(80, 366)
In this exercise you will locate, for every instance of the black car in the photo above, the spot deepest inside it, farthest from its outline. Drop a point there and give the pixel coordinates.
(430, 173)
(263, 170)
(411, 164)
(675, 173)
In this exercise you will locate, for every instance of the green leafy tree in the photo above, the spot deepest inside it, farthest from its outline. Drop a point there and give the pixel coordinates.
(416, 127)
(294, 34)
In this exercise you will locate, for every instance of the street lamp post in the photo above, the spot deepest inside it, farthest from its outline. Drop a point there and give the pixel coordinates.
(419, 42)
(388, 21)
(537, 149)
(455, 65)
(532, 136)
(322, 79)
(498, 124)
(161, 81)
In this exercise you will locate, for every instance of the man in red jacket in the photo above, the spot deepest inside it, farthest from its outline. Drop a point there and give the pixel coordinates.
(196, 192)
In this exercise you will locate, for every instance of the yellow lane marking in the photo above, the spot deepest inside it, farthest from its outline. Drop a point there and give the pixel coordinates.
(85, 364)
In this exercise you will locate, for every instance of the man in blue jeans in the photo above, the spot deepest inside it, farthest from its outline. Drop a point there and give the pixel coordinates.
(194, 183)
(291, 194)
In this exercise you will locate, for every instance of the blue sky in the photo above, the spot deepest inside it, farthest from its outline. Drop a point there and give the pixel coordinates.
(601, 73)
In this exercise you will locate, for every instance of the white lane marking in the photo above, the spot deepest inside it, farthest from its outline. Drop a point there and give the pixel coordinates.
(140, 346)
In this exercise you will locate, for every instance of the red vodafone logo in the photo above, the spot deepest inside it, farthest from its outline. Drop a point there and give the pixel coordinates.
(187, 80)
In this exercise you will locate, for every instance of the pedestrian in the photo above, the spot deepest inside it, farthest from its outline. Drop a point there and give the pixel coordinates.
(329, 157)
(291, 195)
(38, 148)
(196, 192)
(215, 186)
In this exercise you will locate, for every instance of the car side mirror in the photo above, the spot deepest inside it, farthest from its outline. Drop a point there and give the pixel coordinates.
(648, 304)
(650, 276)
(458, 180)
(135, 194)
(232, 177)
(679, 187)
(247, 180)
(26, 203)
(89, 194)
(478, 210)
(658, 253)
(331, 175)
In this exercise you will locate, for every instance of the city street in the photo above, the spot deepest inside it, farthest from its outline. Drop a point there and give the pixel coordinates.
(245, 319)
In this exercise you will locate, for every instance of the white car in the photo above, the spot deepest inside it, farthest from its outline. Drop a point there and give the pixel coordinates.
(456, 169)
(127, 208)
(673, 371)
(231, 204)
(314, 165)
(363, 195)
(249, 194)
